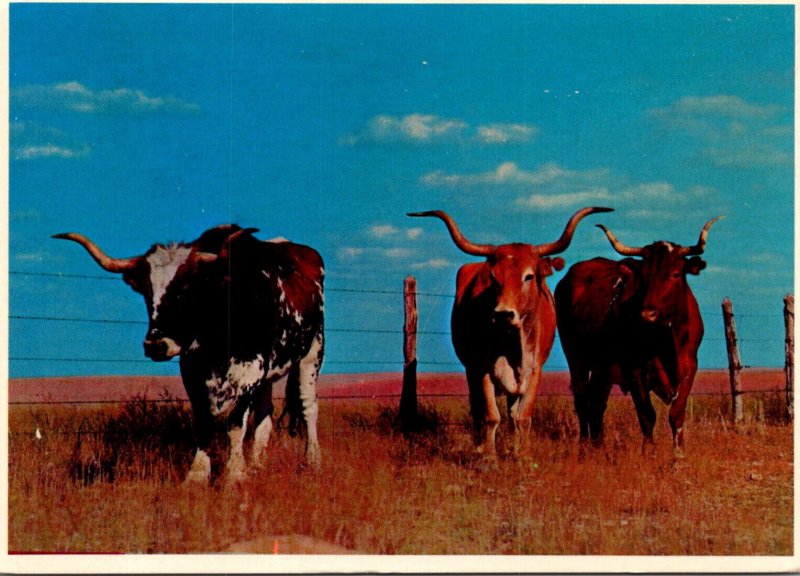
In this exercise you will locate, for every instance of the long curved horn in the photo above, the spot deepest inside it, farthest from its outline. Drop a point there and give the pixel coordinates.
(225, 250)
(566, 237)
(458, 238)
(105, 261)
(619, 246)
(700, 247)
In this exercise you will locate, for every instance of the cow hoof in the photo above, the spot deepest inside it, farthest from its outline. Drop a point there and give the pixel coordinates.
(487, 463)
(313, 458)
(200, 470)
(196, 478)
(234, 479)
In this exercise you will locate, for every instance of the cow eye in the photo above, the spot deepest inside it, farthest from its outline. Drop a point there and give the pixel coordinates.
(529, 277)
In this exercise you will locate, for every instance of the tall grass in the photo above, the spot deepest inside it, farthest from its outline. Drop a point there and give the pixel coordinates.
(101, 480)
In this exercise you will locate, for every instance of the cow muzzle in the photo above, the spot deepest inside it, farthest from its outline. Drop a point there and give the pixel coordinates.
(650, 315)
(160, 349)
(505, 317)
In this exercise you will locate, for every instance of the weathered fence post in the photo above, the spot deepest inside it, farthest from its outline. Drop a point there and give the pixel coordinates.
(408, 397)
(734, 361)
(788, 320)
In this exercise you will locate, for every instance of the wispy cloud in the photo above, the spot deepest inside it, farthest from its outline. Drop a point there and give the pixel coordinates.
(350, 253)
(753, 156)
(729, 131)
(505, 133)
(720, 105)
(567, 200)
(31, 141)
(554, 187)
(75, 97)
(388, 231)
(423, 129)
(509, 173)
(433, 263)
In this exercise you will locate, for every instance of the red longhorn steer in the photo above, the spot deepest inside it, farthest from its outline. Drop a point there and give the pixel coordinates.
(635, 323)
(503, 326)
(241, 314)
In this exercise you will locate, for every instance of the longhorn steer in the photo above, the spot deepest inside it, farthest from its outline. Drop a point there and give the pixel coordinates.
(635, 323)
(503, 326)
(241, 314)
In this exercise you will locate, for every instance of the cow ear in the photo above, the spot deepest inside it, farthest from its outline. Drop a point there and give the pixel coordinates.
(559, 263)
(694, 264)
(131, 278)
(547, 265)
(628, 280)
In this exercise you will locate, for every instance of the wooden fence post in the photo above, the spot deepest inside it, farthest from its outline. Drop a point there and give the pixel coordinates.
(734, 361)
(788, 320)
(408, 399)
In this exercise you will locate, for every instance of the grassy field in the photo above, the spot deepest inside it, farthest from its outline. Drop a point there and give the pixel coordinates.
(107, 479)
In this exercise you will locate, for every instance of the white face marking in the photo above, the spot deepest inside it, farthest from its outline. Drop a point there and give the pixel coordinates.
(278, 240)
(195, 345)
(164, 263)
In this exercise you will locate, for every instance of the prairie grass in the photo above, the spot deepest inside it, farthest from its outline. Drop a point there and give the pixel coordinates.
(107, 479)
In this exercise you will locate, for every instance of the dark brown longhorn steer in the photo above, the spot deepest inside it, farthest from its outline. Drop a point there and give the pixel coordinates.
(241, 314)
(635, 323)
(503, 326)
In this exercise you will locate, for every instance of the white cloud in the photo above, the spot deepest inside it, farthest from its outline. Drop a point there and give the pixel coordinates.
(394, 252)
(650, 190)
(753, 156)
(349, 252)
(383, 230)
(507, 173)
(433, 263)
(413, 128)
(32, 141)
(387, 231)
(432, 129)
(75, 97)
(567, 200)
(29, 257)
(505, 133)
(720, 105)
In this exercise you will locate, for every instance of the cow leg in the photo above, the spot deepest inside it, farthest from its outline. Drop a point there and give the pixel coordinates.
(235, 468)
(524, 411)
(262, 421)
(597, 394)
(644, 408)
(203, 423)
(677, 411)
(307, 375)
(477, 405)
(579, 382)
(491, 420)
(200, 470)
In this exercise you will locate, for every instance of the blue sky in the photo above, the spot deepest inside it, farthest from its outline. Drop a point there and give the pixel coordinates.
(325, 124)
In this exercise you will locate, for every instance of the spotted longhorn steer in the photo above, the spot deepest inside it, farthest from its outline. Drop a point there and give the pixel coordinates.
(503, 326)
(241, 314)
(635, 323)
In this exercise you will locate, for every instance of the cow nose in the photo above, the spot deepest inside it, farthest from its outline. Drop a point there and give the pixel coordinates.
(649, 315)
(155, 349)
(506, 317)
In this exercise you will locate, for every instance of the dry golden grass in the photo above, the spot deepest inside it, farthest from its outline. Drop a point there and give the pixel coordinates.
(108, 480)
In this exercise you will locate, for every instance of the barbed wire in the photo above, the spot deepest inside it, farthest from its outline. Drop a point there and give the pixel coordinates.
(334, 329)
(393, 396)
